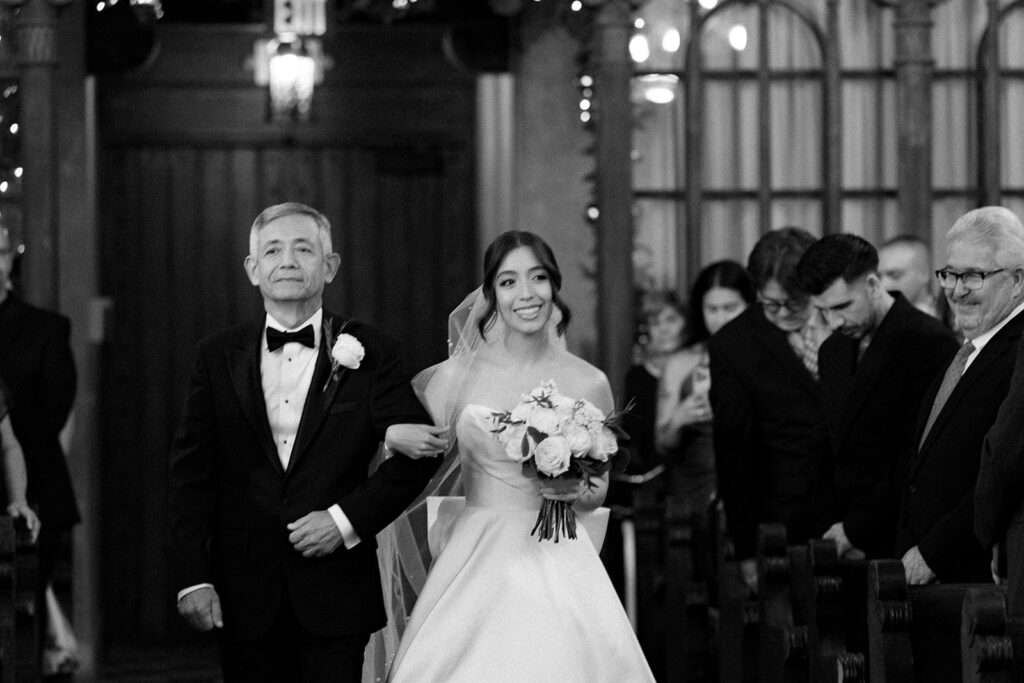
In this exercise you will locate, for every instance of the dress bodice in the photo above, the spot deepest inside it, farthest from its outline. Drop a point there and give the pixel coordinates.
(490, 478)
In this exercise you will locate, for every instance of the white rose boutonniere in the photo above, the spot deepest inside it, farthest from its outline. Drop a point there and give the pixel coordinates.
(346, 352)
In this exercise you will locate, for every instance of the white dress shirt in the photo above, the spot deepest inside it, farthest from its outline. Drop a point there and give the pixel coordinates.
(286, 375)
(982, 339)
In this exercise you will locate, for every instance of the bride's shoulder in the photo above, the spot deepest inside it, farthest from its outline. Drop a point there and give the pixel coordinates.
(589, 382)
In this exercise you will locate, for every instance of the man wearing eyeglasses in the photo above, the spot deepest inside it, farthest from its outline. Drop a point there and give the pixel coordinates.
(983, 281)
(874, 371)
(768, 421)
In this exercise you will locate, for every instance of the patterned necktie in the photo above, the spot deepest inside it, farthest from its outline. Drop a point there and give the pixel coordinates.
(276, 338)
(804, 346)
(953, 374)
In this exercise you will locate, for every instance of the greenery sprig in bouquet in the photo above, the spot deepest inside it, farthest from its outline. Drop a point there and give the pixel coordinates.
(565, 442)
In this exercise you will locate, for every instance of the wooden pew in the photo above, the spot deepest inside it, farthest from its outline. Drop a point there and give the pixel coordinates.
(632, 553)
(686, 599)
(991, 641)
(735, 612)
(837, 636)
(27, 609)
(18, 657)
(785, 601)
(915, 632)
(813, 612)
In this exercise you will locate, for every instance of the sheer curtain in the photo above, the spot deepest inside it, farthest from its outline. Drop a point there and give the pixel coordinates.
(730, 219)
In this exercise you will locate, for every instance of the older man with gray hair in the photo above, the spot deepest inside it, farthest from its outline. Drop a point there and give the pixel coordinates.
(983, 281)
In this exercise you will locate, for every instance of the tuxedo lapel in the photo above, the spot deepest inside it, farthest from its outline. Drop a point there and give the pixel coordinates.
(322, 390)
(244, 367)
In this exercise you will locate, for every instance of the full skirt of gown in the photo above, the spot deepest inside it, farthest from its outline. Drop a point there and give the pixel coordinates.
(499, 605)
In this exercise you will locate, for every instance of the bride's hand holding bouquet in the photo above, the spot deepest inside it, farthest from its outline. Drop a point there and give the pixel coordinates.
(567, 443)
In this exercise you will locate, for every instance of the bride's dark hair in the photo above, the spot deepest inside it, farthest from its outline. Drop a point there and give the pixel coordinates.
(495, 255)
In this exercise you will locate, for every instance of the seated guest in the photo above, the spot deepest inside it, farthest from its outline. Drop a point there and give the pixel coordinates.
(873, 375)
(983, 279)
(769, 424)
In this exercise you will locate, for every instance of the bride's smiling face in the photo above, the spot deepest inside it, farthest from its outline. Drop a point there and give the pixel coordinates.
(523, 292)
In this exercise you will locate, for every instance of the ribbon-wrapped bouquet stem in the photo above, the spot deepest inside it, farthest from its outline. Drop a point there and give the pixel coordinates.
(565, 442)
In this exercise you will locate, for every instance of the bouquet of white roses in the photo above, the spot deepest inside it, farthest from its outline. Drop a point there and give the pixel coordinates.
(566, 442)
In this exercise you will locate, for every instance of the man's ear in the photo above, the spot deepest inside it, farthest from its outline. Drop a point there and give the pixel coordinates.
(250, 265)
(332, 262)
(873, 282)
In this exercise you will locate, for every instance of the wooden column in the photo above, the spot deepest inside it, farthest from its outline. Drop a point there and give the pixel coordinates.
(914, 62)
(36, 30)
(614, 132)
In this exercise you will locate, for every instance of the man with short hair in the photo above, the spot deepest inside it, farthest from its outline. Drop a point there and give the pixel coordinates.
(273, 517)
(983, 280)
(905, 265)
(875, 367)
(769, 425)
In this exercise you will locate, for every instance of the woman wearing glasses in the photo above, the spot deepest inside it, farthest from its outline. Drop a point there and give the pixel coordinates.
(768, 419)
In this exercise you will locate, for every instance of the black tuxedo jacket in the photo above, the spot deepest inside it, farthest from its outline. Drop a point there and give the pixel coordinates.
(769, 430)
(872, 407)
(937, 512)
(999, 496)
(231, 499)
(38, 369)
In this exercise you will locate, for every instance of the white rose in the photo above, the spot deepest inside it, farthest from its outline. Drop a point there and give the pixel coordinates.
(552, 456)
(578, 438)
(588, 414)
(521, 412)
(605, 445)
(512, 439)
(347, 351)
(544, 420)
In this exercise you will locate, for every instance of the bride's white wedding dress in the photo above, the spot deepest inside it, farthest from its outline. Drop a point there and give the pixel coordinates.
(498, 604)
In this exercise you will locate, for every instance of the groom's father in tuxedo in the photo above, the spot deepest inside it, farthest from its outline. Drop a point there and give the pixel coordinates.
(273, 516)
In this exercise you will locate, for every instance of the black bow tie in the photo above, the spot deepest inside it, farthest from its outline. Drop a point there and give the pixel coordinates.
(276, 338)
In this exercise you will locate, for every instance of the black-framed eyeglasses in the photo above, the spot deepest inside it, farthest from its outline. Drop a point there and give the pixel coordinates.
(972, 279)
(773, 306)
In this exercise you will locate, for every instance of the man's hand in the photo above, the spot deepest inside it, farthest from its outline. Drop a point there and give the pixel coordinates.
(748, 569)
(201, 609)
(315, 535)
(845, 549)
(417, 440)
(918, 571)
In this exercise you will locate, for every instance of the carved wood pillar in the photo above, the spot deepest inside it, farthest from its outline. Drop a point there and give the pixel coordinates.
(614, 189)
(36, 32)
(914, 64)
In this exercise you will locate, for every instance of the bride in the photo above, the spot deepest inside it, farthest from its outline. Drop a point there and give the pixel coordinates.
(499, 604)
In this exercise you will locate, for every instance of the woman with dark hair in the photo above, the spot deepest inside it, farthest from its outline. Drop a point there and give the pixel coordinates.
(721, 292)
(499, 604)
(683, 438)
